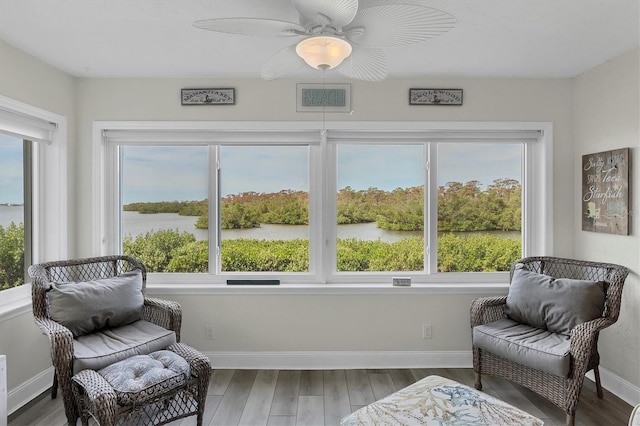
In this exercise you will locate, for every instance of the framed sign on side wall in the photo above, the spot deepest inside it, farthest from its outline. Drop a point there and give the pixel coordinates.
(605, 192)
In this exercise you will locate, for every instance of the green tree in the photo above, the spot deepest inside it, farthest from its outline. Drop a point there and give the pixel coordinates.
(191, 257)
(236, 215)
(156, 249)
(477, 253)
(11, 256)
(170, 251)
(249, 255)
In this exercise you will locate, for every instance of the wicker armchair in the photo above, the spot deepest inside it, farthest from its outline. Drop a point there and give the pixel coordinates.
(561, 390)
(165, 314)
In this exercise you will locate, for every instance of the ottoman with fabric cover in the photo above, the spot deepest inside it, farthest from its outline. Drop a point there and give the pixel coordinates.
(149, 389)
(435, 400)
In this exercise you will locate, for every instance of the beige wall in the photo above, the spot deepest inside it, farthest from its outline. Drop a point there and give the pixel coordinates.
(26, 348)
(607, 116)
(27, 79)
(288, 322)
(326, 322)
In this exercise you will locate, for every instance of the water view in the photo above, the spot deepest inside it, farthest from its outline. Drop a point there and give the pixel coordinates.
(136, 224)
(10, 214)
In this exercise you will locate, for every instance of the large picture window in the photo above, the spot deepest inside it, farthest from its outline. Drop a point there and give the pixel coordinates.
(342, 205)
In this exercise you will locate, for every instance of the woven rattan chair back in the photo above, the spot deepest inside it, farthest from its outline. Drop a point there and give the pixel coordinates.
(75, 271)
(611, 274)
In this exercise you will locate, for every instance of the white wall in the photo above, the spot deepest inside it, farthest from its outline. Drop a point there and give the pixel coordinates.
(607, 116)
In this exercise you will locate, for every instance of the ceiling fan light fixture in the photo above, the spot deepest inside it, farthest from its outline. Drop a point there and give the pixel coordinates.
(323, 52)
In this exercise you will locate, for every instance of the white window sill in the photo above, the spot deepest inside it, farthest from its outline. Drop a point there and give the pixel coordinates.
(15, 301)
(329, 289)
(21, 301)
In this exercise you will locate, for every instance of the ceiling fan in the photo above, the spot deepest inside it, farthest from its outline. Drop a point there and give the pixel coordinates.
(336, 34)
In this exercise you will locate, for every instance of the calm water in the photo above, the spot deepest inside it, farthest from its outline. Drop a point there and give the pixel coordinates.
(10, 214)
(135, 224)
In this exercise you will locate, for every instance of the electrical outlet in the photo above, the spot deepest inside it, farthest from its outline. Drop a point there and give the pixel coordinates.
(426, 331)
(209, 332)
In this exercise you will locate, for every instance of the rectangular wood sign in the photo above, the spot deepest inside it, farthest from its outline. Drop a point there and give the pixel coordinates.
(605, 192)
(208, 96)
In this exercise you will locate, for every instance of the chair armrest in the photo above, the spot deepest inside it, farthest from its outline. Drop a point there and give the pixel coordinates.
(61, 345)
(199, 363)
(584, 338)
(487, 309)
(165, 313)
(94, 385)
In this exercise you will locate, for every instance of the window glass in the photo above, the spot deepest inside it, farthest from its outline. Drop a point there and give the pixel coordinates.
(359, 206)
(264, 215)
(479, 206)
(12, 211)
(380, 208)
(164, 207)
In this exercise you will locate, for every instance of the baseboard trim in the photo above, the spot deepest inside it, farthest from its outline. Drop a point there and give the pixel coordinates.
(327, 360)
(628, 392)
(29, 390)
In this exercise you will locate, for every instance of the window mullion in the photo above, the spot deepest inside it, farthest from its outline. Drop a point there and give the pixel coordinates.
(329, 236)
(215, 168)
(28, 204)
(431, 208)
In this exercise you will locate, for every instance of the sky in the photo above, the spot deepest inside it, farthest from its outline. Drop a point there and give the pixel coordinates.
(168, 174)
(11, 179)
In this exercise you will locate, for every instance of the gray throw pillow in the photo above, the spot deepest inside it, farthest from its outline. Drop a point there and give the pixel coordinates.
(554, 304)
(87, 306)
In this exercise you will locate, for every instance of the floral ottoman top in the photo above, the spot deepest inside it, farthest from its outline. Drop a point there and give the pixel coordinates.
(435, 400)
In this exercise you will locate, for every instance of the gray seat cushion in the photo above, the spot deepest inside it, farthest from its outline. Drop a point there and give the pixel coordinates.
(529, 346)
(100, 349)
(143, 377)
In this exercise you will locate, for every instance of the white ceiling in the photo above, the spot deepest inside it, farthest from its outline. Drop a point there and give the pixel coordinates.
(155, 38)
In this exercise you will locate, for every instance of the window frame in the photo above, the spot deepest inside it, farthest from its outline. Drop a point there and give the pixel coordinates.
(537, 226)
(49, 237)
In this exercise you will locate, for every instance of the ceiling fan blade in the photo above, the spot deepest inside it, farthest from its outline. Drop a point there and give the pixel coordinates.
(368, 64)
(395, 25)
(282, 63)
(339, 12)
(251, 26)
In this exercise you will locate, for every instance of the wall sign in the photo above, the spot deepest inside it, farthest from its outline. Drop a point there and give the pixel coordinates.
(435, 96)
(323, 97)
(605, 192)
(208, 96)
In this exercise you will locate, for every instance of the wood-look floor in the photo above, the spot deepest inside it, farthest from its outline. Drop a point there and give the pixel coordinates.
(323, 397)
